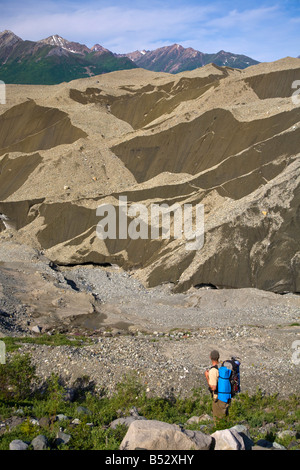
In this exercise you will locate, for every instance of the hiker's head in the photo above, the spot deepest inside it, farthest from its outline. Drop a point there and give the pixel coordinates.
(214, 355)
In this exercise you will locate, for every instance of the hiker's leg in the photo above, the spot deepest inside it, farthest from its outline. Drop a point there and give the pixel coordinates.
(218, 409)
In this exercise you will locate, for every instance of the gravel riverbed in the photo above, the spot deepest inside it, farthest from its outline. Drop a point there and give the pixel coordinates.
(175, 362)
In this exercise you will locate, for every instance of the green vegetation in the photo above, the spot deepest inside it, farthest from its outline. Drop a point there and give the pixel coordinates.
(16, 378)
(22, 395)
(13, 343)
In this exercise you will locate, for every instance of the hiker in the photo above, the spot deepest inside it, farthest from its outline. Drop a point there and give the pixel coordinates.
(217, 387)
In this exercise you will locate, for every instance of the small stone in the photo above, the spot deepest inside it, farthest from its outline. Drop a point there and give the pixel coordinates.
(17, 444)
(193, 419)
(62, 438)
(127, 421)
(286, 432)
(83, 410)
(44, 422)
(199, 419)
(40, 442)
(76, 421)
(34, 421)
(36, 329)
(61, 417)
(278, 446)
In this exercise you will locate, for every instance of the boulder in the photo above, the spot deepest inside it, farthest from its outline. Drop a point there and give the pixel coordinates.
(243, 431)
(157, 435)
(228, 439)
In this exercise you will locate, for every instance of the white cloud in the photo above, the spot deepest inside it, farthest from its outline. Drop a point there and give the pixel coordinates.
(122, 29)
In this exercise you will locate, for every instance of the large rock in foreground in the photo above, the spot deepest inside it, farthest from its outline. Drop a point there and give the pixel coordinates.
(157, 435)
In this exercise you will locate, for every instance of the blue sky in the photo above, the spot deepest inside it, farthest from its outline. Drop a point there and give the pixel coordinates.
(264, 30)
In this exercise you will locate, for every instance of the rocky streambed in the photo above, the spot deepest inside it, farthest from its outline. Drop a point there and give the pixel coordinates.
(175, 362)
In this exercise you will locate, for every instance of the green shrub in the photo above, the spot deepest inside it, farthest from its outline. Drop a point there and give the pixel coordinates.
(108, 439)
(16, 378)
(13, 343)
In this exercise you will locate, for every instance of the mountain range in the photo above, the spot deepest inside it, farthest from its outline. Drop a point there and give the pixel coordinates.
(175, 59)
(54, 60)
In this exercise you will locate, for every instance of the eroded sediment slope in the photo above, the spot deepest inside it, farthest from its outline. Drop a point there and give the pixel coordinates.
(225, 138)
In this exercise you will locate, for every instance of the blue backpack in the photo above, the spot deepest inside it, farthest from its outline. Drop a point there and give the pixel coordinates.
(224, 384)
(229, 379)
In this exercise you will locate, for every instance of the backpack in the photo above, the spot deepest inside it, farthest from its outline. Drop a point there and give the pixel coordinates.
(233, 365)
(224, 384)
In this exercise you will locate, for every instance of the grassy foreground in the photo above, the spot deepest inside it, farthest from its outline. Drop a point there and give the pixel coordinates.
(23, 396)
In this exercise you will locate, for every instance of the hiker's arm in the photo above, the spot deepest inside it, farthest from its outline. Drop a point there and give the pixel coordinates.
(212, 387)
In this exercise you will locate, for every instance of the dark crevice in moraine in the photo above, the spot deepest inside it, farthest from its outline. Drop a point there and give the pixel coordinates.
(72, 284)
(79, 265)
(207, 286)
